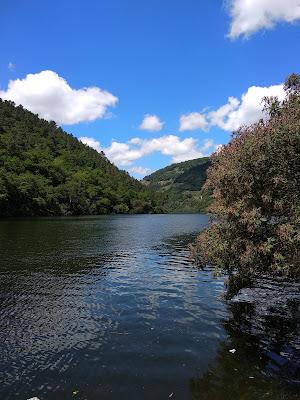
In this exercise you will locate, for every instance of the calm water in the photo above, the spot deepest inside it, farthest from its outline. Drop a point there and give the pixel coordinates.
(112, 308)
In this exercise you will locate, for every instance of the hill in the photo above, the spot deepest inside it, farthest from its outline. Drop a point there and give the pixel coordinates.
(46, 171)
(181, 185)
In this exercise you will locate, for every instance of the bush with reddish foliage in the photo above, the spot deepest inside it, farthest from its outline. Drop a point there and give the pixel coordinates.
(255, 185)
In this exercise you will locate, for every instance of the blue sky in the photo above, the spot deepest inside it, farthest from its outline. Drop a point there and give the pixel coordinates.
(176, 60)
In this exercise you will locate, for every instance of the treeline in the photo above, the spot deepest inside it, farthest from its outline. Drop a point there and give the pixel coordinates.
(45, 171)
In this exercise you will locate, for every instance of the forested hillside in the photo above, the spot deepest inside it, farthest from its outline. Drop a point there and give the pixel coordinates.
(180, 185)
(46, 171)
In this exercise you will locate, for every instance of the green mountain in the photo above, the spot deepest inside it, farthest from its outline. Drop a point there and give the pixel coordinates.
(46, 171)
(180, 185)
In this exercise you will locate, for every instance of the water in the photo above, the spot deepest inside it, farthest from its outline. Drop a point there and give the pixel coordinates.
(113, 308)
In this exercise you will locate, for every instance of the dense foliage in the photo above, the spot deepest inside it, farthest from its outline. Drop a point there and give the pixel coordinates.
(45, 171)
(255, 181)
(180, 185)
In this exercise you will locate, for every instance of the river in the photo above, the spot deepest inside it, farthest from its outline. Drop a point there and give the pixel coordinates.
(112, 307)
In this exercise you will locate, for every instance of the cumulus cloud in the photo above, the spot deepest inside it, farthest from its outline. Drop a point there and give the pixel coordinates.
(139, 170)
(251, 16)
(170, 145)
(51, 97)
(192, 121)
(245, 111)
(151, 123)
(125, 154)
(93, 143)
(217, 117)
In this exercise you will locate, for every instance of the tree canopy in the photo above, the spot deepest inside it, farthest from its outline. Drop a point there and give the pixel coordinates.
(46, 171)
(255, 185)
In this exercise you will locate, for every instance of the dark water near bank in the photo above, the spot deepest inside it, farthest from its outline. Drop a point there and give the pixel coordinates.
(112, 308)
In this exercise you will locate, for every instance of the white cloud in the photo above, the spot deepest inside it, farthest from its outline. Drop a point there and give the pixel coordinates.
(248, 16)
(217, 117)
(11, 66)
(125, 154)
(173, 146)
(93, 143)
(192, 121)
(245, 111)
(151, 123)
(139, 170)
(49, 95)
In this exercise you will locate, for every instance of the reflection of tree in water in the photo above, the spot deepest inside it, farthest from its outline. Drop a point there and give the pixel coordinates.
(266, 363)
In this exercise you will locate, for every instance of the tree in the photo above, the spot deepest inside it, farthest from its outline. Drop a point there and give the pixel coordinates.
(255, 185)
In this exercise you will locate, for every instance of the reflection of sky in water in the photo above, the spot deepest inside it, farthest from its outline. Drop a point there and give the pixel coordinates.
(111, 306)
(100, 302)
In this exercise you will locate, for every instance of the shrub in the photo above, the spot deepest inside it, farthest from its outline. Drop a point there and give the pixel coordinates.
(255, 185)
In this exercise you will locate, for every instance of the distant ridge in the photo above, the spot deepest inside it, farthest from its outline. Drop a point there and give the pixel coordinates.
(181, 185)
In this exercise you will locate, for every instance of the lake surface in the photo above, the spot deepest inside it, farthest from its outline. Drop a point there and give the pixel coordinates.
(112, 307)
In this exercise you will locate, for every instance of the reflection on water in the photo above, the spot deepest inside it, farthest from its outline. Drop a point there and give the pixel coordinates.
(112, 307)
(264, 331)
(242, 375)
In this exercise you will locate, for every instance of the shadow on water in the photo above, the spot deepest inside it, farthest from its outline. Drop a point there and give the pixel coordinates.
(264, 339)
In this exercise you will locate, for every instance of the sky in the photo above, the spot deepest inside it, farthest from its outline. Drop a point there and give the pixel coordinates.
(148, 82)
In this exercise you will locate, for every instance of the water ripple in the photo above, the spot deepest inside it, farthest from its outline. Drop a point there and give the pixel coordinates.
(111, 307)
